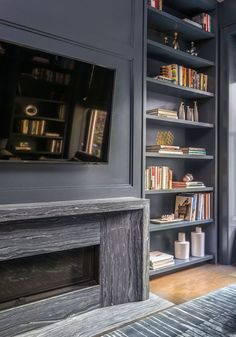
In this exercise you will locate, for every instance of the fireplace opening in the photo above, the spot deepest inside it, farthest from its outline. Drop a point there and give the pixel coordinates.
(29, 279)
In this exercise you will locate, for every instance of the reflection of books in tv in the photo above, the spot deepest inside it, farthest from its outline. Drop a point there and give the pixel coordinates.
(183, 207)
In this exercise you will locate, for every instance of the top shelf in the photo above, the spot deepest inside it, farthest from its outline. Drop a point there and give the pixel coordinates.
(192, 7)
(165, 22)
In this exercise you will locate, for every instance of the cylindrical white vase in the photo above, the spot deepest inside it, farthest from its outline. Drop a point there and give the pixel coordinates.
(181, 247)
(198, 243)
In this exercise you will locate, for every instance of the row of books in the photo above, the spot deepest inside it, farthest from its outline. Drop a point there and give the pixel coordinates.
(204, 20)
(172, 149)
(51, 76)
(193, 206)
(161, 178)
(158, 4)
(160, 260)
(183, 76)
(32, 127)
(158, 178)
(165, 113)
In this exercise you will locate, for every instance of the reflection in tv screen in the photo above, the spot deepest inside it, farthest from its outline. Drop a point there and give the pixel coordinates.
(53, 108)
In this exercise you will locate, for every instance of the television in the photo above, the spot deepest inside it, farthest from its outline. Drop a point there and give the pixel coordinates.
(53, 108)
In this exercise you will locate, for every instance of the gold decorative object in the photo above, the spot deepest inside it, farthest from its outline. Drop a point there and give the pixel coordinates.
(31, 110)
(175, 43)
(165, 138)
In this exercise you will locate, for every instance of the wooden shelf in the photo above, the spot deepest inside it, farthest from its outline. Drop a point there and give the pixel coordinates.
(180, 190)
(174, 225)
(192, 7)
(179, 122)
(170, 89)
(168, 54)
(179, 264)
(35, 136)
(40, 118)
(165, 22)
(178, 156)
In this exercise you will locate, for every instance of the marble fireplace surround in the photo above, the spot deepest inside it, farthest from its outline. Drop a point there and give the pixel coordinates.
(120, 228)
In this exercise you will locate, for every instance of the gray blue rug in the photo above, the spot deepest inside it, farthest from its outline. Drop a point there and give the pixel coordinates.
(213, 315)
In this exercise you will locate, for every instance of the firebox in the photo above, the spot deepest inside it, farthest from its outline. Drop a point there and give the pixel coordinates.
(32, 278)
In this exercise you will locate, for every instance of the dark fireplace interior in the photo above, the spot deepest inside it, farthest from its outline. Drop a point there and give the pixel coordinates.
(37, 277)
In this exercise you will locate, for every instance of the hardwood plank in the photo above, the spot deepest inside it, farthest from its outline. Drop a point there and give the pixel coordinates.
(188, 284)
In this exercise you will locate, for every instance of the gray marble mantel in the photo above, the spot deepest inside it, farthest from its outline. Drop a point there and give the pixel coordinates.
(119, 226)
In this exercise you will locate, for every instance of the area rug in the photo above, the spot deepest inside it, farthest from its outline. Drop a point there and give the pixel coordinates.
(213, 315)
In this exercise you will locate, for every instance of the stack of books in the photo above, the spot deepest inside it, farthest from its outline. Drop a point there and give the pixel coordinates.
(183, 76)
(158, 4)
(198, 151)
(164, 149)
(165, 113)
(158, 178)
(160, 260)
(187, 184)
(192, 207)
(193, 23)
(204, 20)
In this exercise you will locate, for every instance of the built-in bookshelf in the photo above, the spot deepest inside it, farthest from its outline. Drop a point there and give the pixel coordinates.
(164, 94)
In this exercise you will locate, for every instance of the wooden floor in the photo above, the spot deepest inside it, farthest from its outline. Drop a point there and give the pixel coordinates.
(191, 283)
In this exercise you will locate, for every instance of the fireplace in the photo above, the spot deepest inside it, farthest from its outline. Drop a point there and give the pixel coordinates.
(38, 277)
(61, 259)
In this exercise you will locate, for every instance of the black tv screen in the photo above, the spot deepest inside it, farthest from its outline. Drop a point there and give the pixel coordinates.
(53, 108)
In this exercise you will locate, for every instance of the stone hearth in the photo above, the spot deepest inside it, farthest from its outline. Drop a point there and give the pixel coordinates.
(66, 258)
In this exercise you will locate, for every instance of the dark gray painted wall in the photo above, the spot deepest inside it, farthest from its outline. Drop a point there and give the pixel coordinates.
(227, 133)
(227, 12)
(106, 32)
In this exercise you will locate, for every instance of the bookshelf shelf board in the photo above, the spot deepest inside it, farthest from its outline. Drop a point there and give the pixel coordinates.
(40, 99)
(179, 264)
(40, 118)
(170, 89)
(175, 225)
(178, 122)
(178, 156)
(165, 22)
(180, 190)
(35, 136)
(192, 7)
(168, 54)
